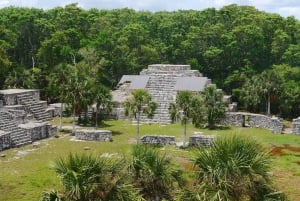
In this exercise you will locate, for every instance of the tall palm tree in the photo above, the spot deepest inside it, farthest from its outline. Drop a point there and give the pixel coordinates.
(140, 102)
(154, 173)
(103, 99)
(214, 104)
(89, 178)
(271, 83)
(234, 168)
(182, 109)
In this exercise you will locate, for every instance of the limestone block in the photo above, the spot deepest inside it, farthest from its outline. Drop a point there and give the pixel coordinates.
(94, 135)
(198, 139)
(296, 126)
(158, 140)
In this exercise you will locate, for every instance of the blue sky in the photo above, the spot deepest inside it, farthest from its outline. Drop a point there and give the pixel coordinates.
(283, 7)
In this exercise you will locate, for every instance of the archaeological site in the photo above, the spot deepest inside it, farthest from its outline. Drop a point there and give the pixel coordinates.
(23, 118)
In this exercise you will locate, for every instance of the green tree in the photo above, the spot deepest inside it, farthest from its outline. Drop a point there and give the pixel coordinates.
(182, 109)
(154, 173)
(140, 102)
(251, 93)
(224, 172)
(214, 104)
(103, 99)
(58, 85)
(271, 84)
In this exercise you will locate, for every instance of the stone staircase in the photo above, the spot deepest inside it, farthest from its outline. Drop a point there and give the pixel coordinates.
(161, 88)
(34, 107)
(18, 136)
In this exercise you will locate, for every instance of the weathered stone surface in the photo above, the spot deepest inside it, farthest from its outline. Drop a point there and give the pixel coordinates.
(161, 82)
(158, 139)
(274, 124)
(93, 135)
(198, 139)
(296, 126)
(4, 140)
(23, 118)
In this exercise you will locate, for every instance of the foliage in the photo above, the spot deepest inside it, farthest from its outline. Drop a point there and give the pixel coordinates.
(182, 109)
(228, 45)
(154, 173)
(86, 177)
(140, 103)
(234, 168)
(205, 108)
(214, 105)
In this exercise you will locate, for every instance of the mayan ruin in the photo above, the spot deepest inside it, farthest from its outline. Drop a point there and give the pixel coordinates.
(162, 81)
(23, 118)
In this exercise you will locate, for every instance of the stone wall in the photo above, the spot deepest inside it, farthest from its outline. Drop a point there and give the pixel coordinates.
(296, 126)
(5, 140)
(274, 124)
(10, 96)
(158, 139)
(93, 135)
(38, 131)
(198, 139)
(233, 119)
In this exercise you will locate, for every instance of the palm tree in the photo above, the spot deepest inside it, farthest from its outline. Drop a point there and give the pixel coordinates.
(214, 104)
(182, 109)
(140, 102)
(154, 173)
(89, 178)
(57, 86)
(270, 85)
(234, 168)
(103, 99)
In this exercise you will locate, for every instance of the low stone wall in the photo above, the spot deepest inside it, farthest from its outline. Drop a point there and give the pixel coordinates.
(4, 140)
(158, 139)
(93, 135)
(296, 126)
(253, 120)
(51, 130)
(198, 139)
(36, 130)
(233, 119)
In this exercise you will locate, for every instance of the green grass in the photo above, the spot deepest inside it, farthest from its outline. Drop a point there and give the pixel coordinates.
(25, 176)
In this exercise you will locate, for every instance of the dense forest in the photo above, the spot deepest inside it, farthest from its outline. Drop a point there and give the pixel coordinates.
(252, 55)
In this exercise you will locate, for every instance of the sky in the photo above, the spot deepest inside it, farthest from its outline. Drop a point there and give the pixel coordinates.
(283, 7)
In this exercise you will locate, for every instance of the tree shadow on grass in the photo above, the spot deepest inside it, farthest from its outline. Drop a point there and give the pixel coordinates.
(114, 133)
(220, 127)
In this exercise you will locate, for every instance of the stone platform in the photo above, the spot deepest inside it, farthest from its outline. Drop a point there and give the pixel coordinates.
(158, 139)
(93, 135)
(199, 139)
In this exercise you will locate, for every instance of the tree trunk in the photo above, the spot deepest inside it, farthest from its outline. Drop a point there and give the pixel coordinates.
(73, 123)
(60, 118)
(96, 124)
(269, 105)
(138, 128)
(184, 133)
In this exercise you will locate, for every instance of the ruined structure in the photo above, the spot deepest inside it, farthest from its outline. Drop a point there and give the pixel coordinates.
(243, 119)
(296, 126)
(160, 140)
(162, 82)
(199, 139)
(94, 135)
(23, 118)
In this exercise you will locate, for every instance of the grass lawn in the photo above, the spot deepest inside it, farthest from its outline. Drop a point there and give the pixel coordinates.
(26, 171)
